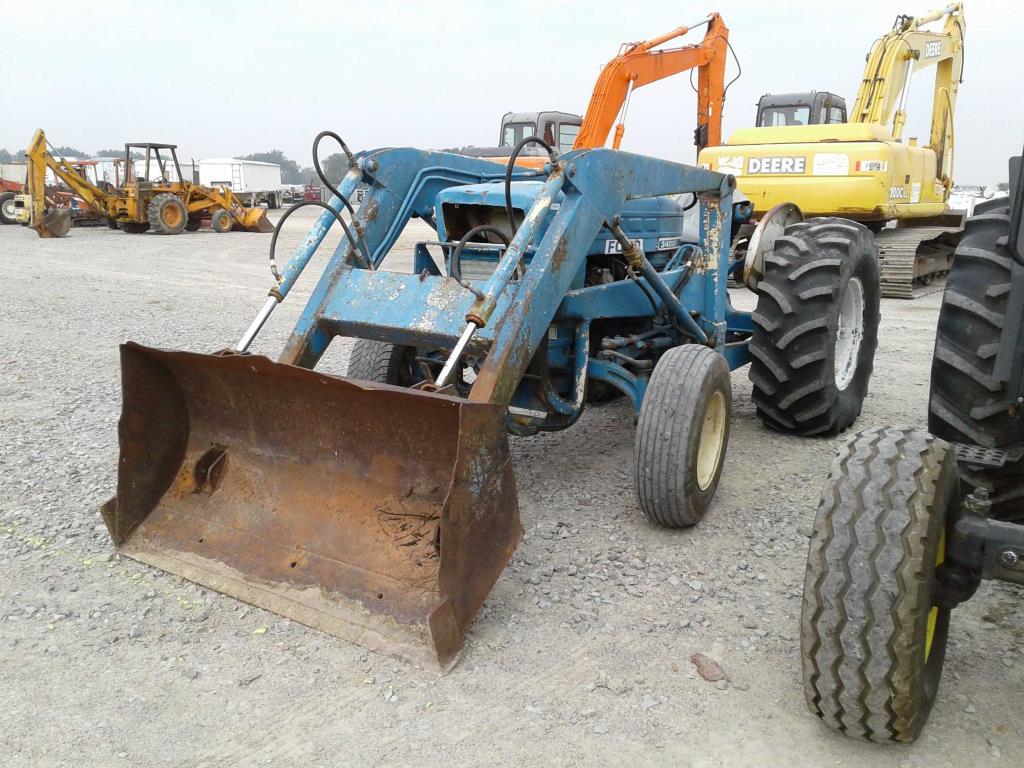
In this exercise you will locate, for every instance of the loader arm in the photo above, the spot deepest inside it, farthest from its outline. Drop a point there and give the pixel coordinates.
(39, 159)
(891, 63)
(640, 65)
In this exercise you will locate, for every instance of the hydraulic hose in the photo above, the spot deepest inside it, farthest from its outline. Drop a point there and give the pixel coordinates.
(455, 262)
(367, 264)
(334, 190)
(552, 155)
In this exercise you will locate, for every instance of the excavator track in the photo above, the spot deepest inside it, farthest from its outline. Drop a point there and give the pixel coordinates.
(912, 258)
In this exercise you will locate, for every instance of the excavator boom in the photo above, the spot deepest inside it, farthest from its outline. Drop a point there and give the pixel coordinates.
(640, 64)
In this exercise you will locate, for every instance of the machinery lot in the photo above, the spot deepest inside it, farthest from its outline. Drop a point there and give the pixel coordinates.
(582, 653)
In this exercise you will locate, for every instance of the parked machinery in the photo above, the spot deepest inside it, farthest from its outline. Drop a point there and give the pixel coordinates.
(911, 521)
(159, 200)
(636, 65)
(802, 153)
(382, 507)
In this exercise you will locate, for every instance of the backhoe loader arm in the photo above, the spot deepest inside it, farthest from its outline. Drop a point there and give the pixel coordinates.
(640, 65)
(39, 159)
(890, 65)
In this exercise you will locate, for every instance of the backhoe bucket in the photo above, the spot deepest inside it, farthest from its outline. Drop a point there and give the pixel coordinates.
(255, 220)
(56, 223)
(378, 514)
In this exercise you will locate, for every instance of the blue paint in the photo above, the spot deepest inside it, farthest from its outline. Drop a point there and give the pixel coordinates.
(575, 291)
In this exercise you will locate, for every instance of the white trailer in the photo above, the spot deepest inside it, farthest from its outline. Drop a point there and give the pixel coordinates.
(251, 180)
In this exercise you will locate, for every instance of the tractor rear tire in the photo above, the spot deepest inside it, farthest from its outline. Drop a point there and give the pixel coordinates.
(221, 221)
(166, 214)
(816, 327)
(381, 362)
(682, 435)
(872, 641)
(967, 401)
(193, 225)
(7, 209)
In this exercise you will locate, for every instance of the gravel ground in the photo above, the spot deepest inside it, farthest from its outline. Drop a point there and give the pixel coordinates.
(581, 654)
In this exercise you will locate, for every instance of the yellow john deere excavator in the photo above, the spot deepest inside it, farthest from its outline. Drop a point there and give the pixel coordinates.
(159, 200)
(864, 169)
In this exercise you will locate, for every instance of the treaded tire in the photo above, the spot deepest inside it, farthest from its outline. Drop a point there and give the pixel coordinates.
(166, 214)
(796, 326)
(380, 362)
(667, 449)
(7, 209)
(870, 577)
(193, 225)
(221, 221)
(967, 402)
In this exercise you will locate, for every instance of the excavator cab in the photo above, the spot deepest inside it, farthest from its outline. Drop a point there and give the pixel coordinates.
(813, 108)
(558, 129)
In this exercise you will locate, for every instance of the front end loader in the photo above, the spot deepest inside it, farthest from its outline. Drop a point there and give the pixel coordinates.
(381, 507)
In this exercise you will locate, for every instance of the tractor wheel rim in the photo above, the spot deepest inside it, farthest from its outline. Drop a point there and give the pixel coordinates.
(171, 215)
(712, 439)
(850, 333)
(9, 208)
(933, 614)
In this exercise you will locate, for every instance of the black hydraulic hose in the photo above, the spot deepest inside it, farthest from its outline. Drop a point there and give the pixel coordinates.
(277, 230)
(334, 190)
(552, 155)
(455, 261)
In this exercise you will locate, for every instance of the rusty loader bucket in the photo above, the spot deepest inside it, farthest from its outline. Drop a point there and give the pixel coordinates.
(378, 514)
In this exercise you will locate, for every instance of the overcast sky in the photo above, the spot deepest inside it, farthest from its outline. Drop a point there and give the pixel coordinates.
(229, 78)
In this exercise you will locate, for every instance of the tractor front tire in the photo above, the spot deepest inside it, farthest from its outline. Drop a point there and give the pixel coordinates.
(872, 641)
(381, 363)
(816, 327)
(221, 221)
(166, 214)
(8, 210)
(682, 435)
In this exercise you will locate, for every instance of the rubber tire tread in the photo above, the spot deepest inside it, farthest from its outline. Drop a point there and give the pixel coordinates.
(796, 321)
(376, 361)
(218, 216)
(4, 219)
(867, 592)
(664, 456)
(966, 401)
(156, 222)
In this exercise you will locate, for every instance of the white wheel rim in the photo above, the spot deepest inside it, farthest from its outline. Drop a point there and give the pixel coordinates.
(10, 208)
(712, 439)
(850, 333)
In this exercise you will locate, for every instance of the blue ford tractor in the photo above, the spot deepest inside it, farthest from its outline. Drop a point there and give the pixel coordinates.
(381, 506)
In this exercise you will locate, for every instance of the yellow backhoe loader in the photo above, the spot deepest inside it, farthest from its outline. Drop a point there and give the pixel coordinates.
(803, 152)
(159, 200)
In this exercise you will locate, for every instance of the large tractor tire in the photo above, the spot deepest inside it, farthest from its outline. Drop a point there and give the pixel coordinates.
(816, 327)
(872, 639)
(166, 214)
(968, 403)
(382, 363)
(8, 210)
(682, 435)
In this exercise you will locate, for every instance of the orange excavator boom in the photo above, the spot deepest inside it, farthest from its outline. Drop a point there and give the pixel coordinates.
(640, 64)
